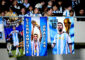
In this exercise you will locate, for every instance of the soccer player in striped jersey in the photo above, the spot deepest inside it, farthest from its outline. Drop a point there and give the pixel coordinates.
(15, 38)
(61, 41)
(35, 42)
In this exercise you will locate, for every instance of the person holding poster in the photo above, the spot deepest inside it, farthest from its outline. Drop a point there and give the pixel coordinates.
(61, 41)
(35, 39)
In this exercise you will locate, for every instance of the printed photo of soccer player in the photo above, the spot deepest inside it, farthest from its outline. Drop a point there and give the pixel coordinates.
(35, 33)
(35, 39)
(61, 41)
(14, 38)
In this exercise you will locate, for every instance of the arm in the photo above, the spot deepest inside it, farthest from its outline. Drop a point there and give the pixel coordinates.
(10, 33)
(70, 47)
(40, 34)
(70, 43)
(54, 42)
(32, 33)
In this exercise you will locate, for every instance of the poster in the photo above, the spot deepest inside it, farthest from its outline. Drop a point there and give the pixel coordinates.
(35, 36)
(61, 31)
(13, 28)
(2, 40)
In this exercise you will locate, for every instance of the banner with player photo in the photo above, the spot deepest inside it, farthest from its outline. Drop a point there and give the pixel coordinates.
(61, 31)
(35, 35)
(1, 30)
(13, 28)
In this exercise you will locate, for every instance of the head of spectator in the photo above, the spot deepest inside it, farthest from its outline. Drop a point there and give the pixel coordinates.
(23, 11)
(30, 8)
(49, 12)
(71, 12)
(26, 4)
(2, 14)
(36, 11)
(42, 3)
(3, 2)
(81, 12)
(26, 1)
(60, 3)
(15, 3)
(55, 8)
(69, 8)
(50, 3)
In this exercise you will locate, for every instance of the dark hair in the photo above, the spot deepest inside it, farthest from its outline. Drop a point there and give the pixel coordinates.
(49, 9)
(36, 34)
(72, 10)
(60, 23)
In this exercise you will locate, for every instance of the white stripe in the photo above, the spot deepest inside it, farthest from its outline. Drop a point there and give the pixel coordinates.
(61, 47)
(57, 42)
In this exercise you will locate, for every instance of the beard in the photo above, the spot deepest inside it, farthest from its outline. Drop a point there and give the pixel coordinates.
(60, 30)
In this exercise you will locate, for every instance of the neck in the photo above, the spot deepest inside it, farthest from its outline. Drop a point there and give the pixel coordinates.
(35, 40)
(61, 32)
(23, 13)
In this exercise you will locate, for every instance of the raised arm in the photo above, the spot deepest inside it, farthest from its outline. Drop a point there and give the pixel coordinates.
(40, 34)
(32, 33)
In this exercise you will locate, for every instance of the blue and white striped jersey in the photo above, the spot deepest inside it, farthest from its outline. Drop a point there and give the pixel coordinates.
(61, 43)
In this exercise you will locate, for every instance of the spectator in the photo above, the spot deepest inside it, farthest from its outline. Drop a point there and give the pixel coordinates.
(30, 10)
(36, 12)
(23, 12)
(16, 7)
(72, 13)
(60, 5)
(11, 13)
(49, 12)
(40, 5)
(50, 4)
(2, 14)
(55, 9)
(3, 6)
(67, 11)
(81, 13)
(26, 4)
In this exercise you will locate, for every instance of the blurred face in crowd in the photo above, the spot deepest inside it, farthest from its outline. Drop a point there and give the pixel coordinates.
(15, 2)
(30, 8)
(14, 28)
(3, 2)
(35, 37)
(71, 13)
(60, 26)
(60, 3)
(25, 1)
(81, 12)
(42, 3)
(10, 10)
(55, 8)
(69, 8)
(3, 14)
(50, 3)
(36, 10)
(50, 12)
(23, 10)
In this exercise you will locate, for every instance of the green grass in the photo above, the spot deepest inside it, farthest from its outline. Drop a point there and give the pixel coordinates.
(14, 53)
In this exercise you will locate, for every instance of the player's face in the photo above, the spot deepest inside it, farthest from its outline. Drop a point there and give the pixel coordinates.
(60, 27)
(14, 28)
(35, 37)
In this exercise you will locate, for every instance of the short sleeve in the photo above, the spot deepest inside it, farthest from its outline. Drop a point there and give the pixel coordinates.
(69, 39)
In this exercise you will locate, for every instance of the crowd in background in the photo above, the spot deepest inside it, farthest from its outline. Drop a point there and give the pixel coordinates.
(41, 8)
